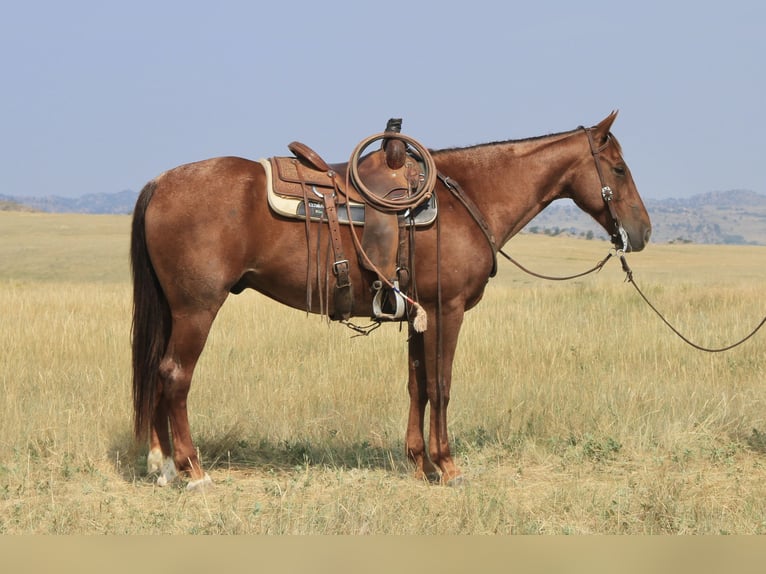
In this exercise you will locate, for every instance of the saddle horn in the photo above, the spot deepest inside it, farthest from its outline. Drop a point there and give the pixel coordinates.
(396, 150)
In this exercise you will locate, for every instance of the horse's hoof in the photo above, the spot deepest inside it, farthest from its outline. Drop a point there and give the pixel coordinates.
(200, 484)
(433, 477)
(168, 472)
(154, 461)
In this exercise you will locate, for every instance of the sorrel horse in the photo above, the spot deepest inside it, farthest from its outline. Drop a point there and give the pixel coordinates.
(204, 230)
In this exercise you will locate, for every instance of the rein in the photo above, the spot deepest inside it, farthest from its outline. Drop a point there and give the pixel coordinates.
(608, 195)
(629, 278)
(595, 269)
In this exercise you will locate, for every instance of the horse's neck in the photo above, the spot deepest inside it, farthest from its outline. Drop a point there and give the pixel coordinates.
(511, 182)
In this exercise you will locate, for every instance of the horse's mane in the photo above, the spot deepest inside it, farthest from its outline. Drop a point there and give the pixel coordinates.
(502, 142)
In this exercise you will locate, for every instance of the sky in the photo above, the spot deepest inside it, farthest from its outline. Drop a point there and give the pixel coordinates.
(99, 97)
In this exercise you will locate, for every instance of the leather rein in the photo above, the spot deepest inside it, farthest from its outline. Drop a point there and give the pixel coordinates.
(620, 235)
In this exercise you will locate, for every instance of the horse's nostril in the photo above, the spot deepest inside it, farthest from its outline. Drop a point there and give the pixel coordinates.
(647, 235)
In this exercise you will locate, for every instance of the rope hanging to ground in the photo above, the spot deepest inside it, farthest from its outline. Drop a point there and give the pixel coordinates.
(629, 279)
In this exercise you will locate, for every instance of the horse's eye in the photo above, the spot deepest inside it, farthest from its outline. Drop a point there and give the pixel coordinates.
(619, 170)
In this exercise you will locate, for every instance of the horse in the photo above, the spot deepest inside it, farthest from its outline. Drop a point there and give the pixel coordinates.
(204, 230)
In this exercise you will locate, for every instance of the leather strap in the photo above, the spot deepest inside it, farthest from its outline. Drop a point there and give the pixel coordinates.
(607, 194)
(475, 212)
(343, 295)
(340, 267)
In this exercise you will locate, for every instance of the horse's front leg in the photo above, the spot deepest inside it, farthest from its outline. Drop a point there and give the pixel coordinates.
(415, 445)
(440, 344)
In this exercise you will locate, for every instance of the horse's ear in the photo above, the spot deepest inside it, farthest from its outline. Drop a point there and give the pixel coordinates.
(605, 125)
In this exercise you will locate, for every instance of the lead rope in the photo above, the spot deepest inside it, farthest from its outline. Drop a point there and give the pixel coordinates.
(629, 279)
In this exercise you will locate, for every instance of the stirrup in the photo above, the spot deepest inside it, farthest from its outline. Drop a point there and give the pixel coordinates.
(377, 304)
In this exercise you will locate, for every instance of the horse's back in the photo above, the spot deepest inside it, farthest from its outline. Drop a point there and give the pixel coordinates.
(211, 181)
(199, 221)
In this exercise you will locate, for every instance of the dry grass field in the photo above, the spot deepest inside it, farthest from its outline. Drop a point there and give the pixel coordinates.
(574, 410)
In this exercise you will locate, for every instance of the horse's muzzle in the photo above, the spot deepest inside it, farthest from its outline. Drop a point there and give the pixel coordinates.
(636, 239)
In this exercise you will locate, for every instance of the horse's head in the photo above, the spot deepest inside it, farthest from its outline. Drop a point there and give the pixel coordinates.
(603, 187)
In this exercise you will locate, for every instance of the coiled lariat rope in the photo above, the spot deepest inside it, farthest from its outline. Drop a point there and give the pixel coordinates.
(394, 205)
(415, 196)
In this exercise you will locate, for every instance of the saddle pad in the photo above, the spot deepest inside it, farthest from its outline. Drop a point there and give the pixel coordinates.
(294, 208)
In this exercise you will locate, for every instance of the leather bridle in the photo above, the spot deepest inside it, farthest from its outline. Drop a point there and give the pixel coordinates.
(619, 235)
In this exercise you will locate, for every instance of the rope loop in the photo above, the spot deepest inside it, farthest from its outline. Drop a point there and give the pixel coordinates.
(417, 196)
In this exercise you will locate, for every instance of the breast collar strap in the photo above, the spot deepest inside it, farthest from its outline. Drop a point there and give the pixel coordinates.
(475, 212)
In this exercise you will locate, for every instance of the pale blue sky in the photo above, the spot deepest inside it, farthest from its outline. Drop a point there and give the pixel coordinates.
(101, 97)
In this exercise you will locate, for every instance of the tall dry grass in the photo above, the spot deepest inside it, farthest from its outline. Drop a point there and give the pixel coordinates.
(574, 410)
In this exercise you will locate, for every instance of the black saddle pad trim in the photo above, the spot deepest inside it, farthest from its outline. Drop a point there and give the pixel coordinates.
(421, 215)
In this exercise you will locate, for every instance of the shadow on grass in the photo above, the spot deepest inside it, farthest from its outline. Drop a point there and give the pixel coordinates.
(757, 441)
(233, 450)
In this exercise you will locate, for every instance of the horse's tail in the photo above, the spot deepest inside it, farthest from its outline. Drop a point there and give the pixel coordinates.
(151, 320)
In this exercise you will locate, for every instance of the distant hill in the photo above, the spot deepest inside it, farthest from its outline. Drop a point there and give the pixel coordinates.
(6, 205)
(720, 217)
(122, 202)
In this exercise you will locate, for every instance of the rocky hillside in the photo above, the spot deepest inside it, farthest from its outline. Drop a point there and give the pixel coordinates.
(6, 205)
(722, 217)
(121, 202)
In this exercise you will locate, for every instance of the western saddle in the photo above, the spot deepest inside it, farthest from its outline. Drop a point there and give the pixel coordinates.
(387, 192)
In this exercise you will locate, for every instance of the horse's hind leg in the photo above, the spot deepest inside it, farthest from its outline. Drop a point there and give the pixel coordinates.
(187, 339)
(160, 458)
